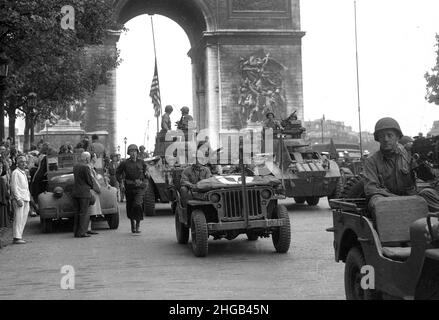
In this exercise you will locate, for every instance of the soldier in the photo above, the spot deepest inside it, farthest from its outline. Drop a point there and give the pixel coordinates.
(136, 176)
(189, 179)
(183, 124)
(142, 154)
(166, 119)
(272, 123)
(390, 171)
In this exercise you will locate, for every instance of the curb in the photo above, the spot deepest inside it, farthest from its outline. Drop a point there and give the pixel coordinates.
(5, 237)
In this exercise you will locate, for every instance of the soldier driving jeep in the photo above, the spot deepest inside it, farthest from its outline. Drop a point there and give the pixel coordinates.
(391, 171)
(189, 178)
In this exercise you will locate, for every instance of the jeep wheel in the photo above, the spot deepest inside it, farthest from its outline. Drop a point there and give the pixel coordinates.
(46, 225)
(299, 200)
(352, 277)
(282, 235)
(113, 220)
(199, 233)
(181, 231)
(251, 236)
(312, 201)
(149, 200)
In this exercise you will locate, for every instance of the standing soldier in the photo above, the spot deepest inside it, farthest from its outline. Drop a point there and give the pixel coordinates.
(166, 119)
(112, 167)
(142, 154)
(183, 124)
(135, 183)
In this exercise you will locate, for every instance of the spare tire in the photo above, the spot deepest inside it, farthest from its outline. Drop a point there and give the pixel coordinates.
(354, 188)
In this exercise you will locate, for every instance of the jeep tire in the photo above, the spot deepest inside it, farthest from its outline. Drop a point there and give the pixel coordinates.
(282, 235)
(352, 277)
(199, 233)
(251, 236)
(299, 200)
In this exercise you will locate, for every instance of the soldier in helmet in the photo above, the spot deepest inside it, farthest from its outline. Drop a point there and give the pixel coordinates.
(183, 124)
(391, 171)
(271, 122)
(166, 119)
(136, 175)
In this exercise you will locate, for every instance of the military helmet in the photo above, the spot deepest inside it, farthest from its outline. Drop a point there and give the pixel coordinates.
(184, 110)
(169, 108)
(132, 147)
(387, 123)
(269, 112)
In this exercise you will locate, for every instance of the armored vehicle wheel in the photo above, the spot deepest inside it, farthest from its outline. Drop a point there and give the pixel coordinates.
(312, 201)
(282, 235)
(354, 188)
(252, 236)
(113, 220)
(46, 225)
(199, 233)
(352, 277)
(181, 231)
(149, 200)
(299, 200)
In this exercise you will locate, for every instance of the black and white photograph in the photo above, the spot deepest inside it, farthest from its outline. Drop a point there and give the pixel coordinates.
(219, 155)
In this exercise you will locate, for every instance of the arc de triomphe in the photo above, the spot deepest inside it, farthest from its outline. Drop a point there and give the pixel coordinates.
(246, 55)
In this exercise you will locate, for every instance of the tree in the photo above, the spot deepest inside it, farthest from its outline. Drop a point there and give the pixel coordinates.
(433, 79)
(49, 60)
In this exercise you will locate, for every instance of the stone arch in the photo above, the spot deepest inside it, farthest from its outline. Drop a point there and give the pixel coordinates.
(220, 32)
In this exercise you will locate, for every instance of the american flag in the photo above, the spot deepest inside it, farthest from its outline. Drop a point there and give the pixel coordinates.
(154, 93)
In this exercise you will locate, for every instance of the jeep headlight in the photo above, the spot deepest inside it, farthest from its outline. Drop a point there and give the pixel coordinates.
(215, 197)
(266, 194)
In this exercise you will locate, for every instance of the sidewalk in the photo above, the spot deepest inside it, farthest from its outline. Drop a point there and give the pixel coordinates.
(5, 237)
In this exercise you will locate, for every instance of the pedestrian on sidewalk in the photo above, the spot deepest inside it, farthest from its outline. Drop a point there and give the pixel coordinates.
(20, 199)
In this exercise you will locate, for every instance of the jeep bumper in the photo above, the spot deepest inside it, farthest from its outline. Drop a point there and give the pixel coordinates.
(252, 224)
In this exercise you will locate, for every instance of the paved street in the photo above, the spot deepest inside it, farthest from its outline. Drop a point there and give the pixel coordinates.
(118, 265)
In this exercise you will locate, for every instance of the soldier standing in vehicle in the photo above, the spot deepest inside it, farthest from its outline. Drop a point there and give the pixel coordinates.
(166, 119)
(391, 171)
(136, 176)
(185, 120)
(271, 122)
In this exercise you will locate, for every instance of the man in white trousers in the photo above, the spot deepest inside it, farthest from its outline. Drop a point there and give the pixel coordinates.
(20, 199)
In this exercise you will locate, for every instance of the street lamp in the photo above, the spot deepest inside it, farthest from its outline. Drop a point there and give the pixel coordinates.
(125, 141)
(4, 69)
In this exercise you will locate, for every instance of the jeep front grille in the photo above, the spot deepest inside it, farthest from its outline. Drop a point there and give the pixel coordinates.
(234, 202)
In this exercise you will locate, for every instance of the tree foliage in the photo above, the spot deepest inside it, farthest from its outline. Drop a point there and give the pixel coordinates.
(56, 64)
(432, 79)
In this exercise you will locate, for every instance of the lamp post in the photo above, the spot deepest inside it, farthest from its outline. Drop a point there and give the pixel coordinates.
(125, 142)
(4, 69)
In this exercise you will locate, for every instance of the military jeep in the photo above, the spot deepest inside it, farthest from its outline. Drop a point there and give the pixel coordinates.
(227, 206)
(403, 261)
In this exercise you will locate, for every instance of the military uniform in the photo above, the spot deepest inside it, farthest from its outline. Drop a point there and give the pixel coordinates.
(135, 183)
(392, 173)
(272, 123)
(189, 179)
(166, 123)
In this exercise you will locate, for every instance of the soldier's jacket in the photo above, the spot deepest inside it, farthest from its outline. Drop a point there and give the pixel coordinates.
(274, 124)
(194, 174)
(183, 124)
(390, 175)
(133, 170)
(166, 122)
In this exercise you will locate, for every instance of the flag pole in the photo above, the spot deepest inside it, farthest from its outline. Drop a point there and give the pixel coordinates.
(358, 77)
(155, 59)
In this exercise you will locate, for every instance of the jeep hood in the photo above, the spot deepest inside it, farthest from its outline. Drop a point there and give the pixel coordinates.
(233, 181)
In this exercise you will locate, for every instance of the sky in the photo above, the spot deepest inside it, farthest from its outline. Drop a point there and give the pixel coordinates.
(396, 46)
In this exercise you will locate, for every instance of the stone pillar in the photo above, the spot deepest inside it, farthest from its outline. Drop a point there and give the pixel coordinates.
(101, 113)
(212, 109)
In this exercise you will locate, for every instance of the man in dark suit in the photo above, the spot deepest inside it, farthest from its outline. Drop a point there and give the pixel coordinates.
(82, 195)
